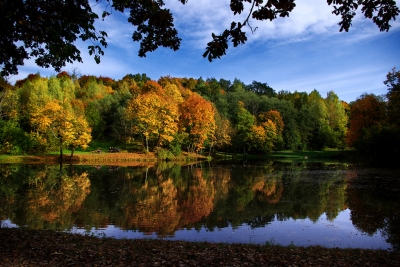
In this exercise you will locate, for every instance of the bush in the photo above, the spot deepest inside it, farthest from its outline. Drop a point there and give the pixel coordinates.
(164, 154)
(13, 140)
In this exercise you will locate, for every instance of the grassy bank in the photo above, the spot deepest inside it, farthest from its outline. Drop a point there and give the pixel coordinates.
(47, 248)
(291, 155)
(120, 158)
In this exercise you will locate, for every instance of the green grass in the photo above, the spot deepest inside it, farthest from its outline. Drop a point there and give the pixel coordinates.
(103, 145)
(290, 155)
(307, 154)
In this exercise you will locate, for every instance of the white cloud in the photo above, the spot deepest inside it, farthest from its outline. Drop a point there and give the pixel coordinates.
(198, 19)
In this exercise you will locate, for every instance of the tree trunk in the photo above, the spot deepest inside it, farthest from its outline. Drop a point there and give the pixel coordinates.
(72, 153)
(61, 151)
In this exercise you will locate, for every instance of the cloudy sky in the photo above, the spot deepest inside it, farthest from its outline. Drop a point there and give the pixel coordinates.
(303, 52)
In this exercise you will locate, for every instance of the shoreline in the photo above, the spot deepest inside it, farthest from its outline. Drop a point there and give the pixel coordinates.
(121, 158)
(44, 247)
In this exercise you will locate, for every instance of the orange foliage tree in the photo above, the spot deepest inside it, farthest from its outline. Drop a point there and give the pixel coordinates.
(197, 120)
(368, 110)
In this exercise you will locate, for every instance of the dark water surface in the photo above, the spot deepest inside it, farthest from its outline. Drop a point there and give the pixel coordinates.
(300, 203)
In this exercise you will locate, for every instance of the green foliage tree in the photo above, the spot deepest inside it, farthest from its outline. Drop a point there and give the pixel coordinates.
(244, 125)
(393, 83)
(291, 132)
(13, 139)
(337, 119)
(315, 130)
(261, 89)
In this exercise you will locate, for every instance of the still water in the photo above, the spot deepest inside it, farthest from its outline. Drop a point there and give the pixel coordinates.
(299, 203)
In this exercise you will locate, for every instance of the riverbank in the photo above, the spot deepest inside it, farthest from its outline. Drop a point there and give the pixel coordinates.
(121, 158)
(48, 248)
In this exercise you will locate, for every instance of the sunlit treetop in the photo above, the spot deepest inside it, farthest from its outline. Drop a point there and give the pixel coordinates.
(47, 31)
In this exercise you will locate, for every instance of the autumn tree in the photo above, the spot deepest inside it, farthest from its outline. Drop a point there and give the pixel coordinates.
(224, 132)
(197, 120)
(368, 110)
(374, 130)
(152, 87)
(154, 117)
(9, 99)
(273, 123)
(47, 114)
(262, 137)
(59, 119)
(48, 31)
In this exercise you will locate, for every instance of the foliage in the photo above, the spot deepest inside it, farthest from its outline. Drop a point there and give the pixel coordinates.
(393, 83)
(188, 114)
(154, 117)
(164, 154)
(149, 252)
(13, 140)
(367, 111)
(48, 31)
(374, 130)
(197, 120)
(244, 125)
(381, 12)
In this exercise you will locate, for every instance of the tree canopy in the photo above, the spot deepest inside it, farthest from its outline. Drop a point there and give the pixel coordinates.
(48, 30)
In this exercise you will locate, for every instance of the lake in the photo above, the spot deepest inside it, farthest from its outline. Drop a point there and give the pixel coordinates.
(266, 202)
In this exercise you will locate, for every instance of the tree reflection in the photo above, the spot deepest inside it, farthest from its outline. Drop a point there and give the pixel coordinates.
(373, 200)
(164, 198)
(45, 198)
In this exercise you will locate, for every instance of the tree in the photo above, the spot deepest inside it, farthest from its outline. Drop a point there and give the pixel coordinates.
(367, 111)
(273, 124)
(8, 100)
(314, 123)
(244, 125)
(59, 119)
(154, 117)
(393, 96)
(337, 119)
(261, 89)
(48, 30)
(223, 133)
(262, 136)
(197, 120)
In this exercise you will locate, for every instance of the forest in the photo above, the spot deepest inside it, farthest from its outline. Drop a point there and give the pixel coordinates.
(70, 111)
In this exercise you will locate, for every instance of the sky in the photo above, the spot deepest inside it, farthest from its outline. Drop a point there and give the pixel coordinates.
(300, 53)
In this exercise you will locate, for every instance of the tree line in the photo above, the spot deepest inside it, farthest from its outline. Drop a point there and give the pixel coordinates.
(42, 114)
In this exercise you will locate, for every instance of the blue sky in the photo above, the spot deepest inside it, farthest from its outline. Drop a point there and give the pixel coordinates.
(303, 52)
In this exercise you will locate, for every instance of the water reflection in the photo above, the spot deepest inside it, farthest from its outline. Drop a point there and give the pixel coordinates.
(268, 202)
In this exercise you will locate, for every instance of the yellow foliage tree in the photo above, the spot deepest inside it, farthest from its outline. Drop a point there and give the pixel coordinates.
(57, 118)
(153, 117)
